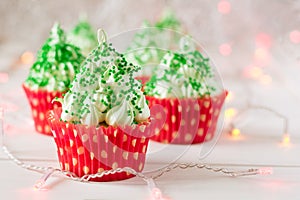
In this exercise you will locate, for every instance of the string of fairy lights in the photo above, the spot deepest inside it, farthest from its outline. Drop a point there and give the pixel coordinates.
(155, 192)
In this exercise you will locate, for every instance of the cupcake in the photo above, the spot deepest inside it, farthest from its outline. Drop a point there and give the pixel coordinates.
(83, 36)
(104, 122)
(149, 43)
(50, 76)
(182, 85)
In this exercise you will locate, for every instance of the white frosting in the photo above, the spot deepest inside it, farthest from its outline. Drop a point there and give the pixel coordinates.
(53, 70)
(98, 96)
(176, 83)
(119, 115)
(145, 112)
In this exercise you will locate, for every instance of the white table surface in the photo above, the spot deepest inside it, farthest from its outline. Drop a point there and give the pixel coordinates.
(259, 146)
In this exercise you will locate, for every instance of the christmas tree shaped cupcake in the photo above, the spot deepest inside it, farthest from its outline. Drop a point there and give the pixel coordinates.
(104, 122)
(51, 75)
(150, 43)
(183, 85)
(83, 36)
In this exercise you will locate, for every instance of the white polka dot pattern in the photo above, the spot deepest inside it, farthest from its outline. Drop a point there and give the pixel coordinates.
(84, 150)
(188, 121)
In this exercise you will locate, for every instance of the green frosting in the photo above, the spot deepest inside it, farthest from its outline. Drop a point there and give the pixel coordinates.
(105, 90)
(169, 21)
(181, 75)
(83, 36)
(56, 65)
(149, 43)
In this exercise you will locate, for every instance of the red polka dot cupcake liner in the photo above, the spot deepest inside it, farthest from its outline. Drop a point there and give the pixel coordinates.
(40, 103)
(188, 121)
(89, 150)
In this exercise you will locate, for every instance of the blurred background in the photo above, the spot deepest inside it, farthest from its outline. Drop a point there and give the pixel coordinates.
(221, 26)
(254, 44)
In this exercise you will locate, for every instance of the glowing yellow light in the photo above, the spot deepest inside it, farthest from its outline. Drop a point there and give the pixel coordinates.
(230, 112)
(235, 132)
(265, 79)
(286, 139)
(27, 57)
(253, 72)
(260, 53)
(262, 56)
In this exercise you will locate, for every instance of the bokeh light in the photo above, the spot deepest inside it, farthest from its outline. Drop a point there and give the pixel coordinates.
(224, 7)
(265, 79)
(262, 57)
(263, 40)
(286, 139)
(27, 57)
(225, 49)
(295, 36)
(230, 112)
(4, 77)
(253, 72)
(235, 132)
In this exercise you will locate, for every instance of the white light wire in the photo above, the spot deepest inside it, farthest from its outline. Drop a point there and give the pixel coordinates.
(155, 191)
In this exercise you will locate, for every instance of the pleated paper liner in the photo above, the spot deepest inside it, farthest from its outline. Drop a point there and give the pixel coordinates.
(88, 150)
(188, 121)
(40, 103)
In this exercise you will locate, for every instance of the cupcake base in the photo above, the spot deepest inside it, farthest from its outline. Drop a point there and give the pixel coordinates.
(88, 150)
(41, 102)
(188, 121)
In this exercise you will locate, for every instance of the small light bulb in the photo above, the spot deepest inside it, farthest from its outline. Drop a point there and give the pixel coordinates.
(235, 132)
(156, 194)
(39, 184)
(265, 171)
(286, 139)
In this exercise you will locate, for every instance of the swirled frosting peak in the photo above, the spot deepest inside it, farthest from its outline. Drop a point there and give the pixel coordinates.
(181, 75)
(150, 41)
